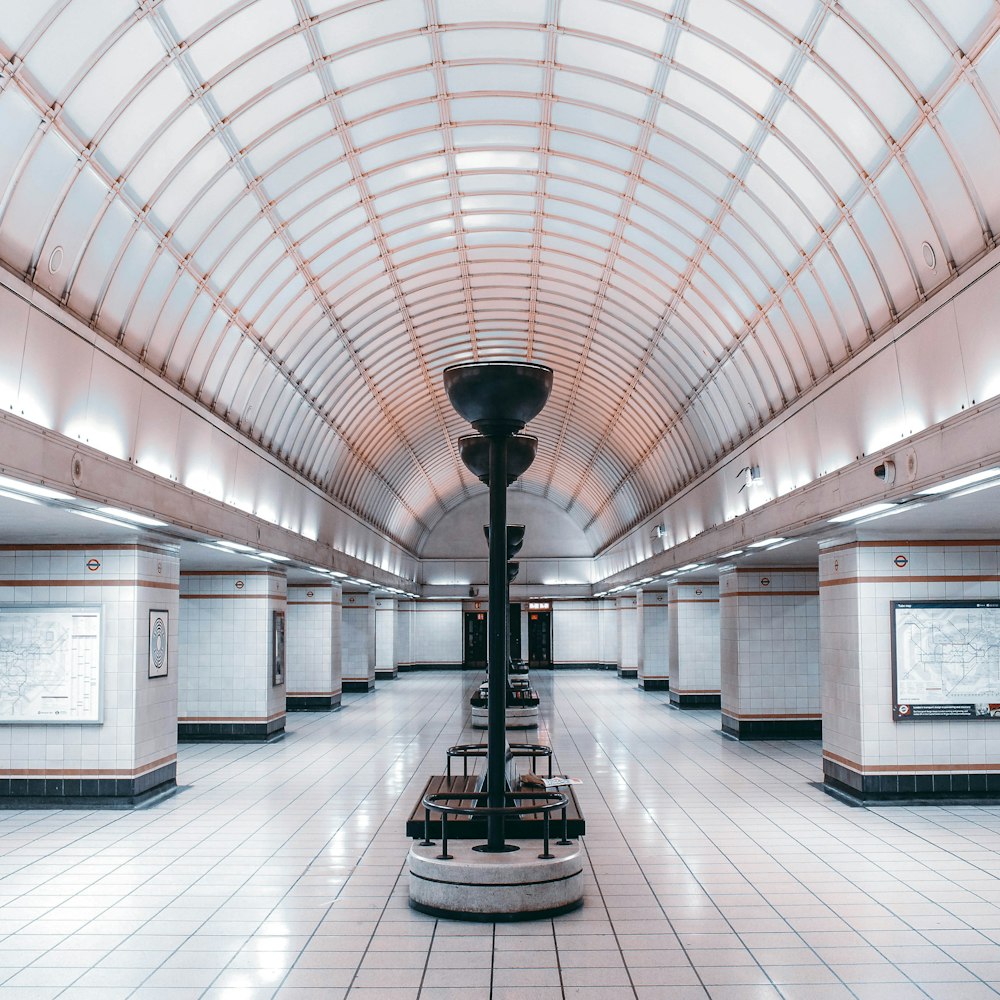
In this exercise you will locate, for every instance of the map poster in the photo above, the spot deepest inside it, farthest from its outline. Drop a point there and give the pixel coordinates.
(946, 659)
(50, 664)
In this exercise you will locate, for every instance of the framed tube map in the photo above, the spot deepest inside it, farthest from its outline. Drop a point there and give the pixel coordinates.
(945, 659)
(50, 664)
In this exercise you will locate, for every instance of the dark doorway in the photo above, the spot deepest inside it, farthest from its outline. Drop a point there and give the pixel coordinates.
(474, 656)
(539, 638)
(515, 631)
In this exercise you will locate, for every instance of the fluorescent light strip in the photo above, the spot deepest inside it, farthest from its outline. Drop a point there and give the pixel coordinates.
(901, 508)
(764, 542)
(16, 486)
(106, 520)
(957, 484)
(235, 546)
(21, 498)
(854, 515)
(274, 556)
(127, 515)
(730, 555)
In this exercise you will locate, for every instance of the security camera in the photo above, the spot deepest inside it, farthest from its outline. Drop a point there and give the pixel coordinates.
(886, 472)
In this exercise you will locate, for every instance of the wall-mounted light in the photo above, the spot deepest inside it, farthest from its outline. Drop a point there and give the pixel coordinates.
(750, 474)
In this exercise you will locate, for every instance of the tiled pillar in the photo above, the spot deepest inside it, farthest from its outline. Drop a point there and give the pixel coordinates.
(654, 667)
(403, 636)
(693, 631)
(358, 658)
(230, 629)
(386, 662)
(312, 673)
(628, 636)
(769, 632)
(608, 634)
(89, 715)
(866, 754)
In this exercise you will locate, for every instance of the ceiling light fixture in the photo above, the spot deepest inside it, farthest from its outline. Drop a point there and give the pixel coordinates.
(32, 490)
(855, 515)
(765, 542)
(957, 484)
(127, 515)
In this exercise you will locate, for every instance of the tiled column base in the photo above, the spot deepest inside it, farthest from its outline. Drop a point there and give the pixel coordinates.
(235, 730)
(654, 683)
(48, 789)
(629, 673)
(359, 685)
(386, 673)
(936, 786)
(696, 699)
(779, 728)
(312, 702)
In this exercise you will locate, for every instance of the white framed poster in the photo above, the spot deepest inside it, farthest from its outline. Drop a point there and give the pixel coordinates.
(277, 648)
(945, 659)
(50, 664)
(159, 635)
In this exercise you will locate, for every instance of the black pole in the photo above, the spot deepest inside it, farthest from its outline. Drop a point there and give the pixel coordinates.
(496, 748)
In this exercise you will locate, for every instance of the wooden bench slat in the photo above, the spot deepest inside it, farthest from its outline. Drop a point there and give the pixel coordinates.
(473, 828)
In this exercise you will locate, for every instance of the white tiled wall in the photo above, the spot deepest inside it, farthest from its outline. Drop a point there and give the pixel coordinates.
(358, 634)
(769, 631)
(139, 727)
(858, 580)
(313, 640)
(693, 629)
(385, 635)
(576, 634)
(607, 624)
(225, 646)
(403, 636)
(655, 640)
(628, 633)
(436, 632)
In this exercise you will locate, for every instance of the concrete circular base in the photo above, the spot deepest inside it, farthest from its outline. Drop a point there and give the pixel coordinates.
(478, 886)
(516, 718)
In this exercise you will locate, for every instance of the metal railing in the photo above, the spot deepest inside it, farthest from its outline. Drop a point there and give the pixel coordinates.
(532, 750)
(437, 803)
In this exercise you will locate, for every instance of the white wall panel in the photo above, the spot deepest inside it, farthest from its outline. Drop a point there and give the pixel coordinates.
(112, 409)
(931, 373)
(14, 312)
(976, 312)
(55, 379)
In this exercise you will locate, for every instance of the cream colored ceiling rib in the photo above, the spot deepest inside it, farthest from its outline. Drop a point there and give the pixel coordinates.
(302, 212)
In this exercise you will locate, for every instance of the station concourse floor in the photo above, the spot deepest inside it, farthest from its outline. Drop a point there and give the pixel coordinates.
(714, 869)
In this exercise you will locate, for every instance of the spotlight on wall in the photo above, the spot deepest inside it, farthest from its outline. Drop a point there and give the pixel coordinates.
(886, 471)
(657, 531)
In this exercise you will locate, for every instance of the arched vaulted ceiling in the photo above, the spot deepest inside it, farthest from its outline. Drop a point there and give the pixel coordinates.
(300, 212)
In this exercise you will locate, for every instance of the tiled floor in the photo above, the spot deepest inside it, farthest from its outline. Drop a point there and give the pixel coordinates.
(715, 869)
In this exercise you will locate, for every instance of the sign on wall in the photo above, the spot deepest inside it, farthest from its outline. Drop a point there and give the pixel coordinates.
(50, 664)
(159, 630)
(277, 648)
(945, 659)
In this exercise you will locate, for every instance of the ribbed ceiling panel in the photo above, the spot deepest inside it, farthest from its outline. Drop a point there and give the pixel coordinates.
(300, 213)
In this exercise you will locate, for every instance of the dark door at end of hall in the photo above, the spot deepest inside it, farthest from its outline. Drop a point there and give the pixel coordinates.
(474, 656)
(515, 631)
(539, 638)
